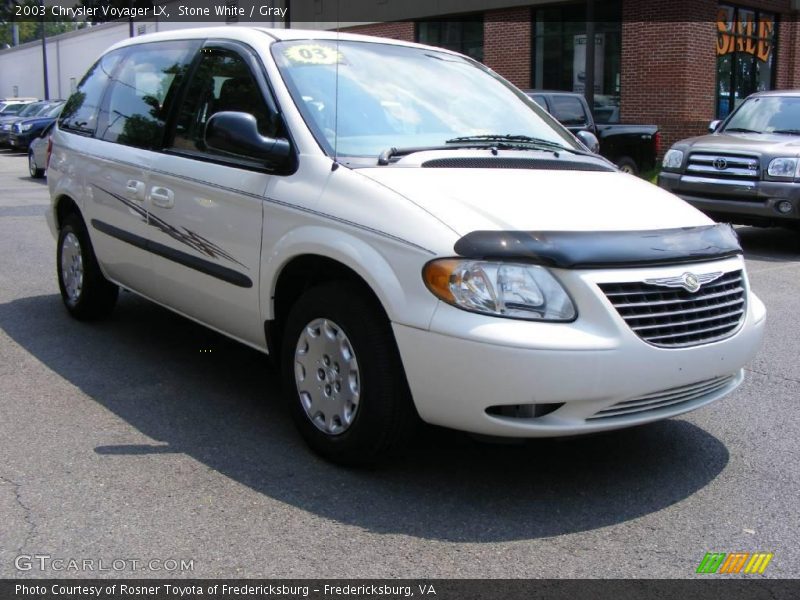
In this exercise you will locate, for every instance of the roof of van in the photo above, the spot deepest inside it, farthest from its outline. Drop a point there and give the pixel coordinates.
(253, 34)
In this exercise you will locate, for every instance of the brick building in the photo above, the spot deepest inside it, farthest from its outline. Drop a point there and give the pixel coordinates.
(678, 64)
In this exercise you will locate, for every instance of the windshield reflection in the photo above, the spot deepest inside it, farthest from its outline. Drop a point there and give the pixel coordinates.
(767, 114)
(397, 96)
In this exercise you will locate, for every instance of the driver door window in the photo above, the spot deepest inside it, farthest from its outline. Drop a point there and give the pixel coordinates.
(222, 81)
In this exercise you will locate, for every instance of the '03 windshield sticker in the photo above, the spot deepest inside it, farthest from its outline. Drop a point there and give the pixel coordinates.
(313, 54)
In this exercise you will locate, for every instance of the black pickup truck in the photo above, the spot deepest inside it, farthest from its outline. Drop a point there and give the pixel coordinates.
(633, 148)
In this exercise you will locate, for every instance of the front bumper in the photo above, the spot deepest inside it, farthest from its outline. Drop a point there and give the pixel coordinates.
(19, 141)
(739, 202)
(468, 363)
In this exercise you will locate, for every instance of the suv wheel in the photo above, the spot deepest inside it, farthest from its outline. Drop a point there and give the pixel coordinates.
(85, 292)
(627, 165)
(343, 377)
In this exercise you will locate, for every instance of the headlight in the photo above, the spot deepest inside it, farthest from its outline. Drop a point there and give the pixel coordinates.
(782, 167)
(26, 127)
(673, 159)
(501, 289)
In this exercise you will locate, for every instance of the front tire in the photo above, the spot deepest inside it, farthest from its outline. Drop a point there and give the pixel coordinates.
(85, 292)
(36, 172)
(343, 378)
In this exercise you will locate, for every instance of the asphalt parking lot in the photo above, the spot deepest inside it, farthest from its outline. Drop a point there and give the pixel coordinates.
(147, 437)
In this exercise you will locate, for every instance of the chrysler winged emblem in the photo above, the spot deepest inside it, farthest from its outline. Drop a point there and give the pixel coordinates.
(688, 281)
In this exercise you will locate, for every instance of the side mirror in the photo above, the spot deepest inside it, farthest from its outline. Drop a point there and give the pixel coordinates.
(589, 140)
(712, 127)
(237, 133)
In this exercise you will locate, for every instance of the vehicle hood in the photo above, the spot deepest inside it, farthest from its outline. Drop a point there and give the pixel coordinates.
(470, 199)
(36, 121)
(767, 143)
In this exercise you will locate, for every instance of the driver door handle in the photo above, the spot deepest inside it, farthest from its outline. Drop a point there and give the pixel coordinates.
(163, 197)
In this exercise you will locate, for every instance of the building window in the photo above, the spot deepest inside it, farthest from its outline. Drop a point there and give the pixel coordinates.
(746, 41)
(464, 36)
(560, 53)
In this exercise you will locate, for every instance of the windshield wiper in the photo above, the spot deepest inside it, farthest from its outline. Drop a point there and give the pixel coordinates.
(501, 142)
(515, 141)
(788, 131)
(740, 130)
(385, 156)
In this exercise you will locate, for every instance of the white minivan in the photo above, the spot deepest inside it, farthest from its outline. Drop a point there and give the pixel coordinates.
(407, 232)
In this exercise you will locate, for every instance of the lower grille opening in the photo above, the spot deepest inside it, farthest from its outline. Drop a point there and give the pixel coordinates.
(523, 411)
(672, 397)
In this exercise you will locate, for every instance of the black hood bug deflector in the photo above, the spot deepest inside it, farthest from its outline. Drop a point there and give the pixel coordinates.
(598, 249)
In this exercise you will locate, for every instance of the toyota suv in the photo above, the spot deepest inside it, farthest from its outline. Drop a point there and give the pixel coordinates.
(408, 234)
(747, 170)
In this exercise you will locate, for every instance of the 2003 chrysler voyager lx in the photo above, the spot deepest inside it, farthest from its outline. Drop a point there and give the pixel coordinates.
(408, 232)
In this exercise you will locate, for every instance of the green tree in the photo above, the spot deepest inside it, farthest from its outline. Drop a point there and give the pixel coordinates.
(29, 27)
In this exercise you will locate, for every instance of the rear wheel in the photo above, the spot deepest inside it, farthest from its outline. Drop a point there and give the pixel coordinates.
(85, 292)
(627, 165)
(343, 377)
(35, 171)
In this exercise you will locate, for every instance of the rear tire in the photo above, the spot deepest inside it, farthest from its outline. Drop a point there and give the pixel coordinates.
(343, 378)
(35, 172)
(627, 165)
(86, 293)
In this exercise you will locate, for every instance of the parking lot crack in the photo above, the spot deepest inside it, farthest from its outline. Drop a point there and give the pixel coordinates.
(30, 525)
(772, 376)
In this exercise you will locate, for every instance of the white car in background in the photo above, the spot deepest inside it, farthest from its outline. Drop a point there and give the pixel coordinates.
(408, 232)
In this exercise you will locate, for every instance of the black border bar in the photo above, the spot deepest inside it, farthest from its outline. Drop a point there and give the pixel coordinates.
(703, 587)
(348, 12)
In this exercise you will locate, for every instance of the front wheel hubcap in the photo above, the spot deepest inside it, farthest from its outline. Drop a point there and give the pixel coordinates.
(72, 267)
(32, 165)
(327, 376)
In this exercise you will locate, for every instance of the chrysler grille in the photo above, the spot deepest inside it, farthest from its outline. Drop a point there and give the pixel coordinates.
(726, 166)
(672, 397)
(674, 318)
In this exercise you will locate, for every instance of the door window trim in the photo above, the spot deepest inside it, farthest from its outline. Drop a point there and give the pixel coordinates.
(250, 57)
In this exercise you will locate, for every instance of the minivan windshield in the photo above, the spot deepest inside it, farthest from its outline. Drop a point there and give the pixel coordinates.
(367, 97)
(766, 114)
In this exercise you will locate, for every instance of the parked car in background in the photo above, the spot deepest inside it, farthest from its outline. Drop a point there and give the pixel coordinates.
(25, 130)
(37, 153)
(12, 106)
(30, 110)
(633, 148)
(748, 169)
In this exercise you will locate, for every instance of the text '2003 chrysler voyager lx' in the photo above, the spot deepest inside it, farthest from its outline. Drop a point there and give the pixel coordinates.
(407, 232)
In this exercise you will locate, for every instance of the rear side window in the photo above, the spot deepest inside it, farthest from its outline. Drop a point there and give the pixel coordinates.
(80, 111)
(568, 110)
(141, 92)
(222, 81)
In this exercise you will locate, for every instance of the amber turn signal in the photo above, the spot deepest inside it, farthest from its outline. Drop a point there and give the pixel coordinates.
(437, 277)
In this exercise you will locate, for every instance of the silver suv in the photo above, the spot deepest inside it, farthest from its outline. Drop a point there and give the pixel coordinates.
(748, 169)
